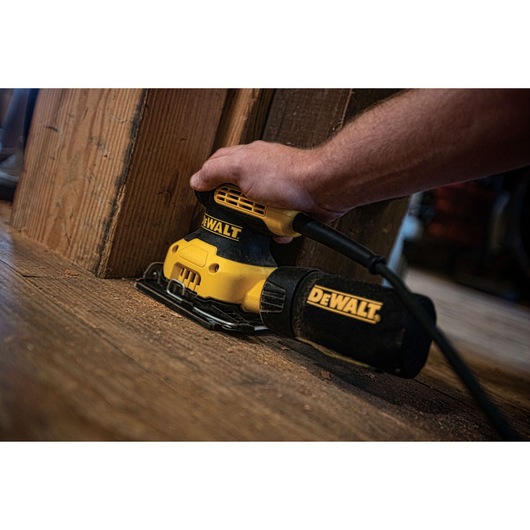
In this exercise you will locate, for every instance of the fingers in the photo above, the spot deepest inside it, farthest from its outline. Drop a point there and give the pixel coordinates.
(272, 174)
(208, 177)
(199, 183)
(218, 169)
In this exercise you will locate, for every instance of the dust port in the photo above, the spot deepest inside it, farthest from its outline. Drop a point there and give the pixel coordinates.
(174, 249)
(214, 267)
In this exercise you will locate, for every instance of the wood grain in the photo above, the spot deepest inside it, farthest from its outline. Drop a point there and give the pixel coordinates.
(244, 116)
(74, 168)
(157, 206)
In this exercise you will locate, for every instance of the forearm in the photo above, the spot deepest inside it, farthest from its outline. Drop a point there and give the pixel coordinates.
(417, 140)
(423, 139)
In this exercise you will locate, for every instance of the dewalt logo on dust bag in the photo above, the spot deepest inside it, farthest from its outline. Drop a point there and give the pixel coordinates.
(345, 304)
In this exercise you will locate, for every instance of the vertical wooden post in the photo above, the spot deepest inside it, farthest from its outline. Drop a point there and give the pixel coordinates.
(244, 116)
(105, 178)
(157, 207)
(76, 162)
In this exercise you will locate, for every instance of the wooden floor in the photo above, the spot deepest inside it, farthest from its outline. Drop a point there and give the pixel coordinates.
(89, 359)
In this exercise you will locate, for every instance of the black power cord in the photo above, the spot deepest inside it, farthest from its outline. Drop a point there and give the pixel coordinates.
(333, 239)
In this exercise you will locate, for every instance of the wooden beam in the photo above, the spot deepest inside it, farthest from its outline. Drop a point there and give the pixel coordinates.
(158, 206)
(244, 116)
(76, 162)
(105, 180)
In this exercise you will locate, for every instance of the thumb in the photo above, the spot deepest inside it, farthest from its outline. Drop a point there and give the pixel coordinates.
(203, 181)
(197, 182)
(213, 173)
(220, 168)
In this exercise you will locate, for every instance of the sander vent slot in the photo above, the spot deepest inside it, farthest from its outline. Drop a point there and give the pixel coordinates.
(189, 278)
(233, 198)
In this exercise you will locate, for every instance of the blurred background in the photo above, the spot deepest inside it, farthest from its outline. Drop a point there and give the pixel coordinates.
(475, 233)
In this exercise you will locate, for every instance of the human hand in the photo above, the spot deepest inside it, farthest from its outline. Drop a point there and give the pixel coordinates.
(270, 173)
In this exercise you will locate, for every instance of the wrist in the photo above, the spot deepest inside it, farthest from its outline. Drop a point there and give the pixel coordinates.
(308, 176)
(326, 183)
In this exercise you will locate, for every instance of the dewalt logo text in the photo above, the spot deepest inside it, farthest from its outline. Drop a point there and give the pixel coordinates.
(345, 304)
(221, 228)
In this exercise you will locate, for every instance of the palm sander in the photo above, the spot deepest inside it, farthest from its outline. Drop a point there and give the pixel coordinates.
(224, 277)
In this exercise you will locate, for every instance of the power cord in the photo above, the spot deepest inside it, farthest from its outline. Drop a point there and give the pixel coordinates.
(333, 239)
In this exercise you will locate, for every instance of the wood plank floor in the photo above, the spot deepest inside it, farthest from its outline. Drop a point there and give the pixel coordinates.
(89, 359)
